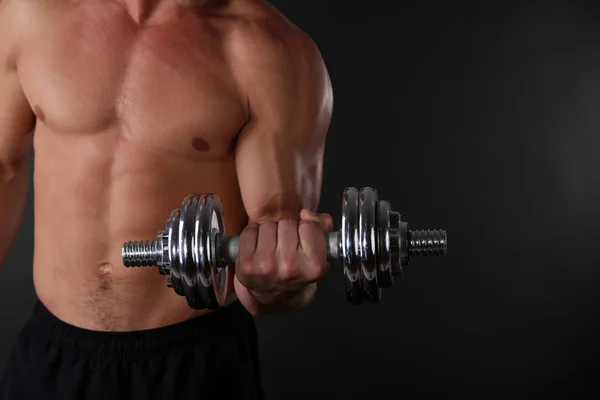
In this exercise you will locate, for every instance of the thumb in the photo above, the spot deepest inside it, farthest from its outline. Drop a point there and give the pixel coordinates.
(324, 220)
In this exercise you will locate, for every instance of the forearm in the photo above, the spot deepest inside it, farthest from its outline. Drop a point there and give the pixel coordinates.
(14, 183)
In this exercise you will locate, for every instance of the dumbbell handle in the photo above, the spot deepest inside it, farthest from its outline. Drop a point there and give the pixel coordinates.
(230, 246)
(146, 254)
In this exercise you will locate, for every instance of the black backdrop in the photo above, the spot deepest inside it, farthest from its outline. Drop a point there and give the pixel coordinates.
(483, 121)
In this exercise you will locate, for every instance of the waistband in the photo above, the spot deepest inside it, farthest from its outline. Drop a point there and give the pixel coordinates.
(222, 325)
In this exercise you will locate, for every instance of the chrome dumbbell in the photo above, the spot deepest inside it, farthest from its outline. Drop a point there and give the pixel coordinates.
(373, 244)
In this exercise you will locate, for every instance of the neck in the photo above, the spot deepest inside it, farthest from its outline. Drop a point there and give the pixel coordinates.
(142, 10)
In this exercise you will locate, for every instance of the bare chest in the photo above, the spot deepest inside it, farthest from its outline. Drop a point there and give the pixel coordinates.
(167, 87)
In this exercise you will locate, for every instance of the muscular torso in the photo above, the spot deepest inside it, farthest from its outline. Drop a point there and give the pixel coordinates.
(130, 120)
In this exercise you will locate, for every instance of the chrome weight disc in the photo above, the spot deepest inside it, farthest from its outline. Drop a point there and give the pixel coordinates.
(384, 255)
(194, 253)
(368, 243)
(350, 241)
(210, 219)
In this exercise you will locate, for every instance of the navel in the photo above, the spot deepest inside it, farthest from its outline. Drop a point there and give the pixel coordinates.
(105, 277)
(200, 144)
(39, 113)
(106, 269)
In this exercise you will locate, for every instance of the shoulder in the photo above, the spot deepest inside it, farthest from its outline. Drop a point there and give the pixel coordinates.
(10, 16)
(29, 8)
(263, 39)
(18, 19)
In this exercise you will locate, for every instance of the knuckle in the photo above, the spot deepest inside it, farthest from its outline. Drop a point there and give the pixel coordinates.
(244, 265)
(329, 221)
(266, 265)
(308, 228)
(268, 225)
(287, 224)
(250, 228)
(288, 268)
(316, 269)
(248, 233)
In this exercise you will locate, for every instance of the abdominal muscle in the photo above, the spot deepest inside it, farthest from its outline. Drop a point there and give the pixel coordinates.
(92, 194)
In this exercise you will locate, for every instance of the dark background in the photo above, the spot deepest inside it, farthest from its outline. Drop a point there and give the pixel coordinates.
(483, 121)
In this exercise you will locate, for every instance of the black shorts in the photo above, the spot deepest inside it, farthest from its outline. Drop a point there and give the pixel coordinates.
(211, 357)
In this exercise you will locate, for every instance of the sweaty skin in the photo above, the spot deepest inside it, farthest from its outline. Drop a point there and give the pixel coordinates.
(130, 106)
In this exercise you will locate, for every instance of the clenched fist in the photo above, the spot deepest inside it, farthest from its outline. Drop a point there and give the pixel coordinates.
(278, 263)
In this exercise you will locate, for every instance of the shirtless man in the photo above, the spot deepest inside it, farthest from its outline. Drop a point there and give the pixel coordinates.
(130, 106)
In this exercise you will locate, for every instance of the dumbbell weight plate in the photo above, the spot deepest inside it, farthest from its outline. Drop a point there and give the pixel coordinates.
(350, 251)
(174, 271)
(212, 211)
(384, 256)
(368, 243)
(194, 234)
